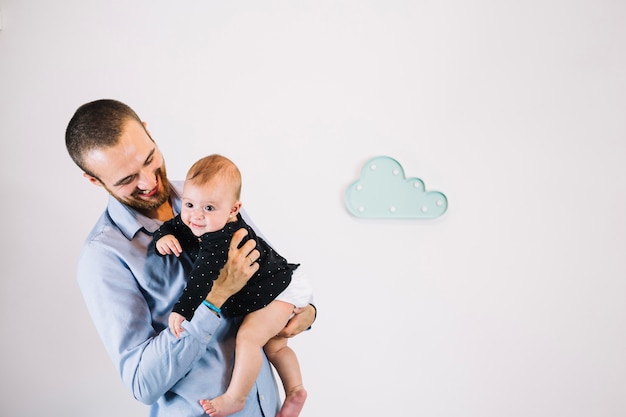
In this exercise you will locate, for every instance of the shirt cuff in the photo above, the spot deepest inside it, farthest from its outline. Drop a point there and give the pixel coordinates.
(203, 324)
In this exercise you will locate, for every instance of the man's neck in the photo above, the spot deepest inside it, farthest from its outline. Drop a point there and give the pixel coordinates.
(163, 213)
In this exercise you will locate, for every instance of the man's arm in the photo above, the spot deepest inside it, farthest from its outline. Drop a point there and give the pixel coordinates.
(150, 360)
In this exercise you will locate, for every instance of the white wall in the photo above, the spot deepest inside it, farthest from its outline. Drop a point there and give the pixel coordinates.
(511, 304)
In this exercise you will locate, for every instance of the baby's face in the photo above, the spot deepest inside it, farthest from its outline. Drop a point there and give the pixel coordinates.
(208, 207)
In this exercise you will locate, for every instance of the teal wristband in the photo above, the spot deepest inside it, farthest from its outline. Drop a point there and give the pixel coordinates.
(212, 307)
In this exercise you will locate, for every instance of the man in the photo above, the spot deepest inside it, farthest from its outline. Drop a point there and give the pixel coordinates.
(129, 289)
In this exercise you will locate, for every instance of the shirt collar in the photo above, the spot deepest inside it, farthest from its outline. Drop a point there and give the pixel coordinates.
(130, 221)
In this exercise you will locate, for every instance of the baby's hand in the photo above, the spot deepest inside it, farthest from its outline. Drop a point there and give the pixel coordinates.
(175, 320)
(169, 245)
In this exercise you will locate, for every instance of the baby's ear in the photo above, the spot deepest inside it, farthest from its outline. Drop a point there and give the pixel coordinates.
(235, 209)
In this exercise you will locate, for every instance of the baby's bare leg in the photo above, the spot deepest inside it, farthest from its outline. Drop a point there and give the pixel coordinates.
(255, 331)
(294, 402)
(285, 361)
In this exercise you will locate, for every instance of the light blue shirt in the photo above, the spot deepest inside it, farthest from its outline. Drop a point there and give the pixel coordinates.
(129, 291)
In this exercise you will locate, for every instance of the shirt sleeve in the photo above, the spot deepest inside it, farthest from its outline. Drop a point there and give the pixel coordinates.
(149, 358)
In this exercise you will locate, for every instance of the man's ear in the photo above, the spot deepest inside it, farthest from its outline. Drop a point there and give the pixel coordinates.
(92, 179)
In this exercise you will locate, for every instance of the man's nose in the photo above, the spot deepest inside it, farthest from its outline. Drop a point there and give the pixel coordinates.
(147, 179)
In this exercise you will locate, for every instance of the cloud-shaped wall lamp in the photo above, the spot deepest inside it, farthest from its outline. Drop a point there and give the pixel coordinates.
(383, 191)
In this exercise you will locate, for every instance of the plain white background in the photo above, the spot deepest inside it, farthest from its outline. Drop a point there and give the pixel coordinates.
(511, 304)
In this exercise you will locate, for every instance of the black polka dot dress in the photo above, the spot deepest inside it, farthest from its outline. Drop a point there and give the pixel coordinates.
(210, 253)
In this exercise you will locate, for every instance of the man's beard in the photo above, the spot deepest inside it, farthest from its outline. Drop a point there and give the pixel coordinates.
(143, 205)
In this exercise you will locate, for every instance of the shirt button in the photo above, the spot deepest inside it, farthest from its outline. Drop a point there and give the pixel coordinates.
(262, 397)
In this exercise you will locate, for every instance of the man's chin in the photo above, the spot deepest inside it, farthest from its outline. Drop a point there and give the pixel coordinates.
(144, 204)
(152, 203)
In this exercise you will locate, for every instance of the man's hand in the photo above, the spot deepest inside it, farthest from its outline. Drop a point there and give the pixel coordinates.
(303, 319)
(239, 267)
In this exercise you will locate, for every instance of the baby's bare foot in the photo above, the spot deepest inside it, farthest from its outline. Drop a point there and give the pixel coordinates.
(207, 406)
(222, 406)
(294, 401)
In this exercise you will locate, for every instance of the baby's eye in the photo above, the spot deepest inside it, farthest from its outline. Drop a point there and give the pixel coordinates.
(188, 205)
(209, 208)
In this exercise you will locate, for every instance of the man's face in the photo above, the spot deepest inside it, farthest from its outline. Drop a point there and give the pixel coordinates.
(133, 171)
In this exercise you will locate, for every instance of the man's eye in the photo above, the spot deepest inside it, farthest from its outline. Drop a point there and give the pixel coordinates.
(125, 181)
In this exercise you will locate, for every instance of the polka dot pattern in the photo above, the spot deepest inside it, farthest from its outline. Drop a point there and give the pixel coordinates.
(210, 253)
